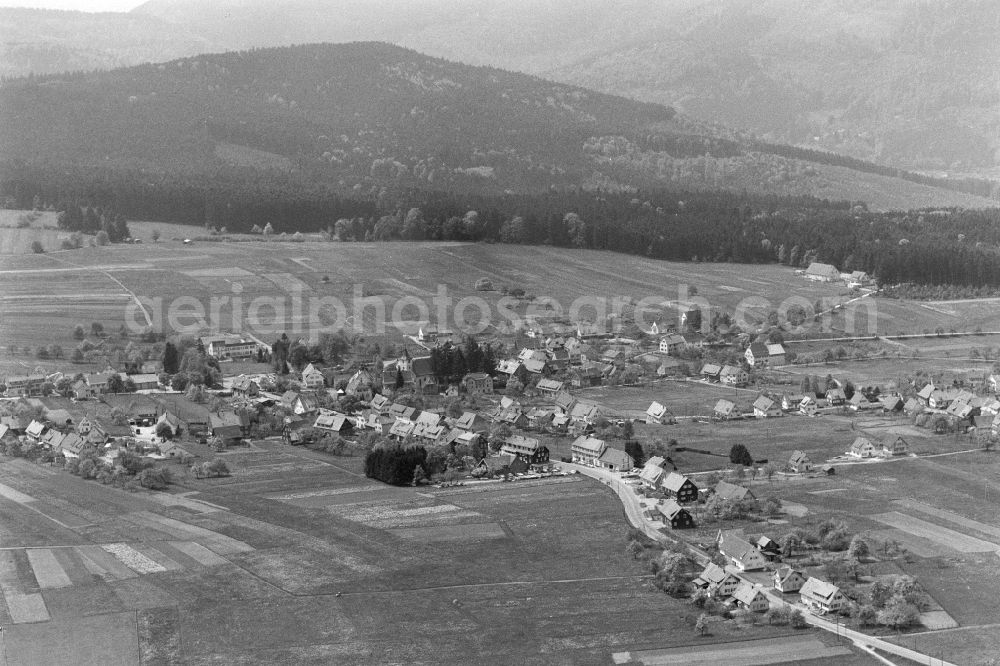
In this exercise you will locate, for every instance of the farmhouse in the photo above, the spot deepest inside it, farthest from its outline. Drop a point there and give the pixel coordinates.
(403, 412)
(775, 354)
(680, 488)
(769, 547)
(894, 445)
(82, 390)
(790, 402)
(717, 581)
(477, 383)
(862, 448)
(672, 344)
(675, 515)
(751, 597)
(172, 422)
(725, 410)
(333, 422)
(657, 413)
(402, 430)
(822, 272)
(913, 406)
(787, 579)
(799, 462)
(587, 450)
(615, 460)
(653, 472)
(925, 393)
(145, 381)
(941, 399)
(35, 429)
(764, 407)
(194, 416)
(380, 404)
(586, 375)
(98, 381)
(732, 375)
(584, 412)
(822, 597)
(891, 402)
(739, 551)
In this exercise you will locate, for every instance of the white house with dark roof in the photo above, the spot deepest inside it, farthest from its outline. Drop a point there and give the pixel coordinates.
(732, 375)
(672, 344)
(653, 472)
(862, 447)
(764, 407)
(725, 410)
(788, 579)
(799, 462)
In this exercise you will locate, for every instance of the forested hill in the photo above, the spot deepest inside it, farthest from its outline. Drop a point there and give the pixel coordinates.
(365, 120)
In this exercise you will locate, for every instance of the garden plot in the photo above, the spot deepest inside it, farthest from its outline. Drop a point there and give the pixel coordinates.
(389, 515)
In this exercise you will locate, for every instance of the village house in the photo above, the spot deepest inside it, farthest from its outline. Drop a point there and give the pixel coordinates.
(790, 402)
(809, 406)
(145, 382)
(229, 427)
(82, 390)
(862, 448)
(361, 384)
(587, 450)
(787, 579)
(380, 404)
(941, 399)
(756, 355)
(680, 488)
(732, 375)
(586, 375)
(402, 412)
(539, 418)
(24, 385)
(564, 402)
(60, 418)
(731, 491)
(717, 581)
(402, 430)
(528, 448)
(822, 597)
(764, 407)
(245, 387)
(768, 547)
(672, 344)
(98, 381)
(822, 272)
(615, 460)
(585, 412)
(835, 396)
(739, 551)
(776, 355)
(171, 421)
(710, 372)
(913, 406)
(924, 394)
(994, 382)
(891, 402)
(549, 387)
(512, 369)
(674, 515)
(657, 413)
(751, 597)
(858, 279)
(72, 445)
(477, 383)
(799, 462)
(334, 422)
(228, 346)
(193, 416)
(859, 402)
(653, 473)
(725, 410)
(894, 445)
(312, 378)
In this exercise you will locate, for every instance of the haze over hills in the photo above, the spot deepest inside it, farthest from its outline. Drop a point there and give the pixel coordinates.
(903, 82)
(362, 117)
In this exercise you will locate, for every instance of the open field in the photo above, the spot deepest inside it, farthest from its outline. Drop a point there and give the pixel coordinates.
(387, 271)
(296, 558)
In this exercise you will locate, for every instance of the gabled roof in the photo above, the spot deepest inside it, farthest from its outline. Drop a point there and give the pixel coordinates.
(653, 470)
(564, 400)
(724, 406)
(860, 444)
(331, 421)
(656, 410)
(713, 574)
(466, 420)
(423, 366)
(763, 403)
(244, 383)
(549, 385)
(819, 589)
(798, 457)
(711, 369)
(584, 411)
(590, 444)
(670, 508)
(731, 491)
(35, 428)
(674, 481)
(72, 443)
(429, 419)
(616, 457)
(775, 350)
(926, 391)
(4, 429)
(379, 401)
(758, 349)
(823, 270)
(736, 547)
(746, 592)
(785, 573)
(731, 371)
(402, 429)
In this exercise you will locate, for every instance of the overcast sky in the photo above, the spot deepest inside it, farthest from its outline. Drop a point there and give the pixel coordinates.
(80, 5)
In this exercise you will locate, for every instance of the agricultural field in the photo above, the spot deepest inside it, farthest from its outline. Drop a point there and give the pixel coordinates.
(296, 558)
(18, 241)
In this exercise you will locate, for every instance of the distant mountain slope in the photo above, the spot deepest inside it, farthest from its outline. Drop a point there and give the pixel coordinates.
(41, 41)
(362, 117)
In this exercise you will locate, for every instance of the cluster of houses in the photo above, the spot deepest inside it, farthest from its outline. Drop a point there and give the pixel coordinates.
(89, 386)
(886, 447)
(729, 585)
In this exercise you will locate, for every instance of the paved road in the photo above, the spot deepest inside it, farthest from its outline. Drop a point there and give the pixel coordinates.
(634, 509)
